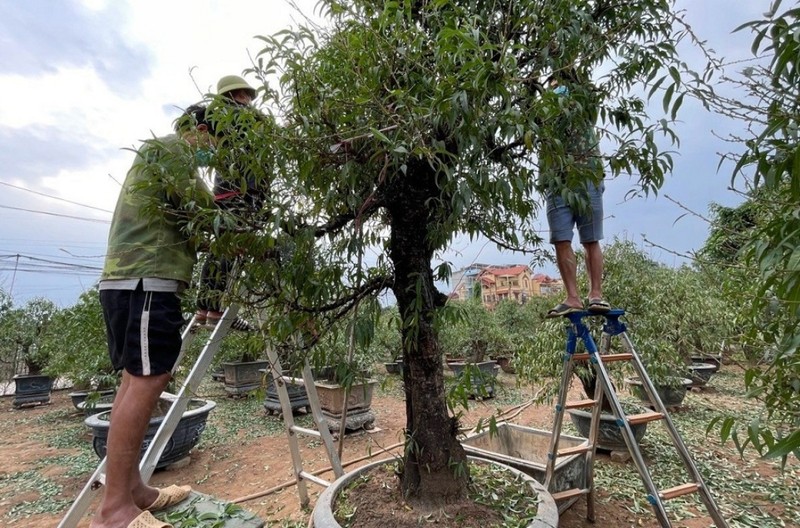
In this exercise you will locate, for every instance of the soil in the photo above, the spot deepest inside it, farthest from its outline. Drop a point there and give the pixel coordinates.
(257, 472)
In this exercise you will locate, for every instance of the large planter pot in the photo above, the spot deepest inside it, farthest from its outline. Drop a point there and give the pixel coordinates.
(700, 373)
(102, 404)
(32, 389)
(482, 377)
(526, 449)
(671, 395)
(242, 377)
(394, 367)
(610, 437)
(359, 404)
(298, 397)
(505, 364)
(322, 516)
(183, 439)
(78, 397)
(713, 360)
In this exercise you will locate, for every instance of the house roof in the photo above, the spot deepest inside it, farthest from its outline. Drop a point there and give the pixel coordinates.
(510, 270)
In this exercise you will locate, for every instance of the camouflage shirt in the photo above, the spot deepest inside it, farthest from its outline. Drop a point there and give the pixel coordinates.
(147, 238)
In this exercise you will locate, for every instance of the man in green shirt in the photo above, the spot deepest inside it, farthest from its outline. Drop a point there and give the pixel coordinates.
(149, 262)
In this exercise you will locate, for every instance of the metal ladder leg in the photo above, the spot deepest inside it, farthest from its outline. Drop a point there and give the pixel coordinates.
(292, 430)
(155, 449)
(697, 483)
(587, 448)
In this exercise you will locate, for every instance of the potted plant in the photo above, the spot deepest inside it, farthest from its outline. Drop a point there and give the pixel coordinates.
(455, 158)
(528, 499)
(22, 334)
(184, 438)
(78, 351)
(295, 385)
(243, 363)
(345, 393)
(386, 341)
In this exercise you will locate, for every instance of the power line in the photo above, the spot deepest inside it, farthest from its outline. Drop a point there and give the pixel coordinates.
(96, 220)
(54, 197)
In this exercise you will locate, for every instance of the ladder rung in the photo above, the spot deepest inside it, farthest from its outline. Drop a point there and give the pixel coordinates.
(677, 491)
(635, 419)
(607, 358)
(570, 493)
(305, 431)
(583, 448)
(315, 479)
(579, 404)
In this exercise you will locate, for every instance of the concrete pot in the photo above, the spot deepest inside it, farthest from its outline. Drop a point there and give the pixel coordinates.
(359, 404)
(526, 449)
(322, 516)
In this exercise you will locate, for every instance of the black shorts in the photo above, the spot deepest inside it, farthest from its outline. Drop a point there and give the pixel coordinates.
(143, 328)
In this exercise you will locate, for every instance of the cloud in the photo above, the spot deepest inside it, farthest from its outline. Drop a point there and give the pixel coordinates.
(39, 36)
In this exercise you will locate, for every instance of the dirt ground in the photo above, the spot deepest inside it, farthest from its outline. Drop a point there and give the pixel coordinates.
(254, 472)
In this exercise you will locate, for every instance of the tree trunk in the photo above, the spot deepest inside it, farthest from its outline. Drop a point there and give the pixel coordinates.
(434, 470)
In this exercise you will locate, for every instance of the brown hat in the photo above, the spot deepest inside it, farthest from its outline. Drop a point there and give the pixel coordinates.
(230, 83)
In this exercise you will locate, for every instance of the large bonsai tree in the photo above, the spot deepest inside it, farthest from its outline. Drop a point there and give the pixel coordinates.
(405, 123)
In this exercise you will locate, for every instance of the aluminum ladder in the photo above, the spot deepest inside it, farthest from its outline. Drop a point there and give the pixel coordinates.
(292, 430)
(578, 331)
(190, 385)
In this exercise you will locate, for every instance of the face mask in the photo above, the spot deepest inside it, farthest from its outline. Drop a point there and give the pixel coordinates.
(561, 90)
(203, 156)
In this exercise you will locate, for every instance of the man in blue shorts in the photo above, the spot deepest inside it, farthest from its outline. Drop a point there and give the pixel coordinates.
(148, 264)
(575, 200)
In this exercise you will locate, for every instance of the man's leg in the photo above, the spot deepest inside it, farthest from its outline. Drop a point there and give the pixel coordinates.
(594, 266)
(568, 267)
(125, 494)
(561, 221)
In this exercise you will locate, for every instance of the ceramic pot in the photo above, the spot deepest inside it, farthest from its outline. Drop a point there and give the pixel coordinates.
(671, 395)
(610, 437)
(700, 373)
(482, 377)
(183, 439)
(32, 389)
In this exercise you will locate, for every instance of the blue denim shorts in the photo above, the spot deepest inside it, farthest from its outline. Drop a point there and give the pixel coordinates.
(562, 219)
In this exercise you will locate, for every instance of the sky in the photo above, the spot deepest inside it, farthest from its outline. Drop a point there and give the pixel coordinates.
(83, 81)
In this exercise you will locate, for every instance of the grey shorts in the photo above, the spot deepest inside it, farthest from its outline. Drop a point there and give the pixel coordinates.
(562, 219)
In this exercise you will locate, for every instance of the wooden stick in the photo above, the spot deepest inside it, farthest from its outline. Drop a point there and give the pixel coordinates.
(289, 483)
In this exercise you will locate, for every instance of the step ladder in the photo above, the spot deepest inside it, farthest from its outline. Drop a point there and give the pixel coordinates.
(579, 331)
(322, 431)
(147, 464)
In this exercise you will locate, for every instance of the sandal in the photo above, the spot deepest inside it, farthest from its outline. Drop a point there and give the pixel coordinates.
(146, 520)
(169, 496)
(561, 310)
(598, 305)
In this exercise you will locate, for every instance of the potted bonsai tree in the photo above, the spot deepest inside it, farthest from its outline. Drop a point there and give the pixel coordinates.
(23, 332)
(78, 351)
(405, 124)
(243, 363)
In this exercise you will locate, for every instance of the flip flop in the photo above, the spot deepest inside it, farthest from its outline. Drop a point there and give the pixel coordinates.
(169, 496)
(597, 305)
(146, 520)
(561, 310)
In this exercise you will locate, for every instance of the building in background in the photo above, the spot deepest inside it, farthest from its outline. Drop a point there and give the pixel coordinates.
(495, 283)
